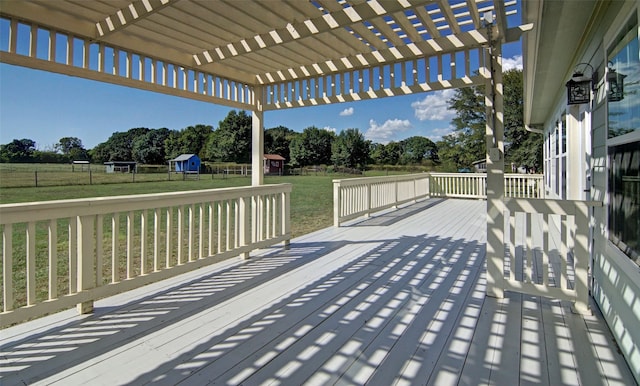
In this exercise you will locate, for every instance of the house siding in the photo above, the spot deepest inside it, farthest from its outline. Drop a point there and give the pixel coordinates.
(616, 279)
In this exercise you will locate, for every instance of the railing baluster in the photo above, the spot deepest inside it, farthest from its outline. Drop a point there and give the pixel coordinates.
(99, 237)
(564, 236)
(180, 240)
(169, 237)
(545, 250)
(130, 230)
(219, 208)
(52, 242)
(528, 261)
(73, 255)
(86, 263)
(31, 263)
(115, 231)
(7, 267)
(157, 218)
(211, 223)
(191, 230)
(512, 245)
(143, 242)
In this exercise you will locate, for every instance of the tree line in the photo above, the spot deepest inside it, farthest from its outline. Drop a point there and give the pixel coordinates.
(231, 141)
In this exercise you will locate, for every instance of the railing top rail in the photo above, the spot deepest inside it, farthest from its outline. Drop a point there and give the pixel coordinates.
(520, 175)
(458, 174)
(545, 205)
(46, 210)
(368, 180)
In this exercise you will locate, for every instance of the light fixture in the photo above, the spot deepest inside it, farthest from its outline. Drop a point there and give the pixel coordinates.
(579, 86)
(615, 80)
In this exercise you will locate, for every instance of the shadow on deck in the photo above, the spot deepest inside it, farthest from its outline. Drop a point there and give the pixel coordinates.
(398, 298)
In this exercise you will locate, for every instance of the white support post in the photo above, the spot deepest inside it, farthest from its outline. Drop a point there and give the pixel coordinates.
(286, 217)
(257, 139)
(494, 98)
(336, 203)
(86, 260)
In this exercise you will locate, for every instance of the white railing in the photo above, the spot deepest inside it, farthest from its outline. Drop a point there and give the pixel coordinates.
(473, 185)
(523, 185)
(58, 254)
(548, 249)
(356, 197)
(362, 196)
(458, 185)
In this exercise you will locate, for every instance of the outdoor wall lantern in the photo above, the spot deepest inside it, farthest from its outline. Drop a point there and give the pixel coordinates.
(579, 86)
(616, 84)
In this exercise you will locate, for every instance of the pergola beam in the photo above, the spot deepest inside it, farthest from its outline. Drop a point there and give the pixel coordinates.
(125, 17)
(346, 17)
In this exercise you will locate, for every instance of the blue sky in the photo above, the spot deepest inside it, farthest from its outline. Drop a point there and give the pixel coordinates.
(45, 107)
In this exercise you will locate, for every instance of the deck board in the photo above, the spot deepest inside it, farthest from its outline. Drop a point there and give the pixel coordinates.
(398, 298)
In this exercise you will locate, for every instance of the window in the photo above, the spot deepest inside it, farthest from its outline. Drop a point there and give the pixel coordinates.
(624, 70)
(624, 198)
(624, 141)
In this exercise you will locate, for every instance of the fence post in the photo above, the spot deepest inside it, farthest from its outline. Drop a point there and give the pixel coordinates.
(336, 203)
(86, 260)
(286, 218)
(36, 174)
(368, 202)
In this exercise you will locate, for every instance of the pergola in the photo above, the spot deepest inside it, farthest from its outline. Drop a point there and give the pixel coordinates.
(270, 55)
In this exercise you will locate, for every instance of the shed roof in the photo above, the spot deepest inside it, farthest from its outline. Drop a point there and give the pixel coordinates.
(184, 157)
(274, 157)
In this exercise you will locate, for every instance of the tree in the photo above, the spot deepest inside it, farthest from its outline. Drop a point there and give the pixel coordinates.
(469, 125)
(312, 147)
(71, 148)
(190, 140)
(418, 149)
(467, 144)
(119, 146)
(149, 148)
(18, 150)
(231, 141)
(451, 152)
(350, 149)
(277, 141)
(521, 146)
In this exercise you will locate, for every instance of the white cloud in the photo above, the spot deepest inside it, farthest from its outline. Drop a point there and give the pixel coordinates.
(512, 63)
(331, 129)
(387, 131)
(434, 107)
(436, 134)
(346, 112)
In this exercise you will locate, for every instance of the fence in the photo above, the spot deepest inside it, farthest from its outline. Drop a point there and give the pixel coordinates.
(362, 196)
(41, 175)
(58, 254)
(355, 197)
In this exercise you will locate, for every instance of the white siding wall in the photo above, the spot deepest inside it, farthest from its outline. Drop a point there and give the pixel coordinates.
(616, 279)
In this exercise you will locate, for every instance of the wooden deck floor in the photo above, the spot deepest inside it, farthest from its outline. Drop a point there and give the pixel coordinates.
(395, 299)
